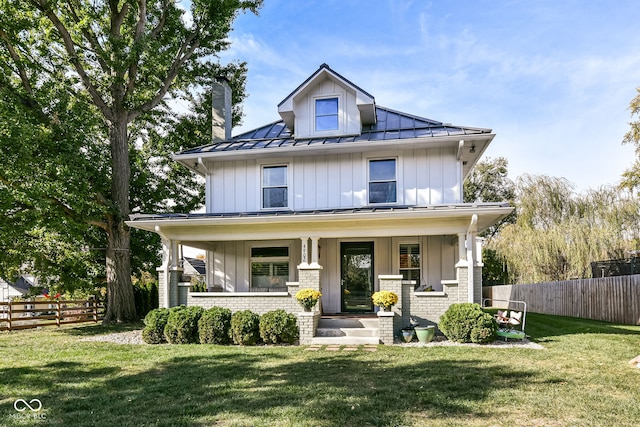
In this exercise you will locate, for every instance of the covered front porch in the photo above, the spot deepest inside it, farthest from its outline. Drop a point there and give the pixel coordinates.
(259, 261)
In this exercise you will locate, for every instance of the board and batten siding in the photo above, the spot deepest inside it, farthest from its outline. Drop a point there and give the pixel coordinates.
(231, 263)
(333, 181)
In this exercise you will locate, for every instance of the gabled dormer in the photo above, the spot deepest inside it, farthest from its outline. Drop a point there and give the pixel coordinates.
(327, 104)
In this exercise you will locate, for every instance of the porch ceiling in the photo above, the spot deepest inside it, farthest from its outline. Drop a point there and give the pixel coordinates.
(379, 222)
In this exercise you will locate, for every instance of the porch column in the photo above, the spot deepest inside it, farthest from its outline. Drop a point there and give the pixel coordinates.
(175, 273)
(314, 251)
(393, 283)
(304, 255)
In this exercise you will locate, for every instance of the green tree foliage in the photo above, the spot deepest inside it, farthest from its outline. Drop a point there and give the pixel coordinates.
(558, 233)
(631, 177)
(86, 128)
(489, 182)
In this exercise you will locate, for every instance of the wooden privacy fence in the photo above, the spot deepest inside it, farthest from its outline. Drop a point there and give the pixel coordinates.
(610, 299)
(33, 314)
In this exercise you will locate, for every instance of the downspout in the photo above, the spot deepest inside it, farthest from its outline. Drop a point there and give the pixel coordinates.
(471, 232)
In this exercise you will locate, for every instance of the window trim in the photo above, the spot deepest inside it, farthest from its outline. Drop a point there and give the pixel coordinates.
(316, 115)
(286, 186)
(395, 180)
(340, 115)
(421, 264)
(253, 259)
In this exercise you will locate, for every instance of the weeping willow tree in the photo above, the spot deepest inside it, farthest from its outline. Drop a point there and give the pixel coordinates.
(558, 232)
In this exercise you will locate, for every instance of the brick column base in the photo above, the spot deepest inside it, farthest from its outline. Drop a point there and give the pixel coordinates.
(307, 325)
(385, 331)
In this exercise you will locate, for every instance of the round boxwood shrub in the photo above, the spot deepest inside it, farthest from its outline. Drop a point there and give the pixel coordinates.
(467, 322)
(278, 326)
(155, 321)
(214, 326)
(182, 325)
(245, 327)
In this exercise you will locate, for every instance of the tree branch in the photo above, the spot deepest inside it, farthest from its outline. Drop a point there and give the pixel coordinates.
(24, 78)
(184, 53)
(43, 6)
(96, 47)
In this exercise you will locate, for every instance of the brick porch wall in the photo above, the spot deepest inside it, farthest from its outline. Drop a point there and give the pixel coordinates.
(425, 308)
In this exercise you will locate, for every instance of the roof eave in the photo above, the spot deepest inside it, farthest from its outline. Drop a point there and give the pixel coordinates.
(357, 146)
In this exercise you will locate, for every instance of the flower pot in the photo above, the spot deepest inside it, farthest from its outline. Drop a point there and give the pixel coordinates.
(305, 308)
(425, 333)
(407, 335)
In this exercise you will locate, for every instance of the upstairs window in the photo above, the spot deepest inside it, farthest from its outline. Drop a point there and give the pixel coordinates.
(274, 187)
(410, 262)
(326, 114)
(382, 181)
(269, 268)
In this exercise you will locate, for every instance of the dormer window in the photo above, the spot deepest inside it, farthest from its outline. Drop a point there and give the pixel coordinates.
(326, 114)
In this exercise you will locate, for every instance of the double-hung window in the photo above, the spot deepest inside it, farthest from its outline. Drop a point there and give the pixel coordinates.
(410, 262)
(269, 267)
(326, 114)
(382, 181)
(274, 187)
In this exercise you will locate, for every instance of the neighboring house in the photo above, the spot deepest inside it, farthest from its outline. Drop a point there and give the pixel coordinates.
(21, 287)
(193, 267)
(341, 195)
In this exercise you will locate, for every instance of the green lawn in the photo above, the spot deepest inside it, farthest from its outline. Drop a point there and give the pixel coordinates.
(582, 378)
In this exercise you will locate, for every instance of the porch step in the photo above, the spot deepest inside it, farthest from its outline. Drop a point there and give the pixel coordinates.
(347, 330)
(344, 340)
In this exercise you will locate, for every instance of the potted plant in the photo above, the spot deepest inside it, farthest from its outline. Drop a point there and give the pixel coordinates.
(308, 298)
(407, 333)
(384, 299)
(425, 334)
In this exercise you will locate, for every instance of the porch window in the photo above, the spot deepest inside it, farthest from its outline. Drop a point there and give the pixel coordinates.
(274, 187)
(326, 114)
(269, 268)
(410, 262)
(382, 181)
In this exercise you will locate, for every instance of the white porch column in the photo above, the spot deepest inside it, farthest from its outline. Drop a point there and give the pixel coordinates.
(470, 263)
(462, 253)
(304, 256)
(471, 248)
(314, 251)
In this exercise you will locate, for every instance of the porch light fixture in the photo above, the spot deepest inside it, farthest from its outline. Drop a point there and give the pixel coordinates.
(473, 149)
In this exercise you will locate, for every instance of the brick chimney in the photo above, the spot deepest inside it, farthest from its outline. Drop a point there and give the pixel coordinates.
(221, 111)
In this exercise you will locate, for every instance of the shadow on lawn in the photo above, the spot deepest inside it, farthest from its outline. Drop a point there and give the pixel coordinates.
(251, 388)
(92, 329)
(541, 327)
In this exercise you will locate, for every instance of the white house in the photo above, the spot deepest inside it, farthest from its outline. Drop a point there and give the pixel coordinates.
(341, 195)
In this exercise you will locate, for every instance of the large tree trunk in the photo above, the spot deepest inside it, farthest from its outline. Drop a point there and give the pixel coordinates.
(120, 301)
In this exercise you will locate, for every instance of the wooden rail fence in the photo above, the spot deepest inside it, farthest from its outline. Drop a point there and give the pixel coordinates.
(610, 299)
(33, 314)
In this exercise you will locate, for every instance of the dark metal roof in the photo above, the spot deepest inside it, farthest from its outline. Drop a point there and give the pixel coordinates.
(390, 125)
(197, 264)
(390, 208)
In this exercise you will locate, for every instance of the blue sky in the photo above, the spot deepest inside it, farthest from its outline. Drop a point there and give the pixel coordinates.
(553, 79)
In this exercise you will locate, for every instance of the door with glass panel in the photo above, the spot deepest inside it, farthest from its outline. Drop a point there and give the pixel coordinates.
(356, 276)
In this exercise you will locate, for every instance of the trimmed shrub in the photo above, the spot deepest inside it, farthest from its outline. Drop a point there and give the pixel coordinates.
(182, 325)
(155, 321)
(278, 326)
(214, 326)
(467, 322)
(145, 293)
(245, 327)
